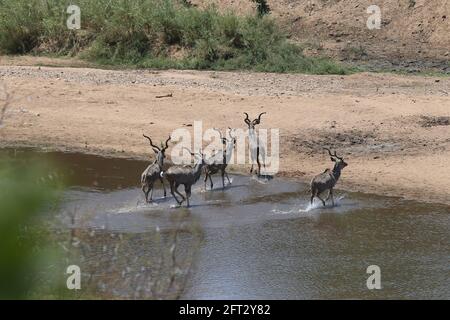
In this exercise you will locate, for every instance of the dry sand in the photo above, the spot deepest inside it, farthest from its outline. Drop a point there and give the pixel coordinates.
(393, 130)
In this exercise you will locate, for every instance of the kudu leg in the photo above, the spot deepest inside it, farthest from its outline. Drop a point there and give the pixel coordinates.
(211, 182)
(259, 167)
(206, 179)
(229, 181)
(330, 195)
(172, 191)
(253, 152)
(145, 191)
(187, 189)
(323, 201)
(316, 193)
(151, 192)
(257, 161)
(223, 179)
(180, 194)
(164, 186)
(313, 194)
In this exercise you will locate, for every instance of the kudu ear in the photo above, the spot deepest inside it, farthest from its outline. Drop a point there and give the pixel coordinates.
(333, 159)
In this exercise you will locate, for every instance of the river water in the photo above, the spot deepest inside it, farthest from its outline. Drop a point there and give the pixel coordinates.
(262, 240)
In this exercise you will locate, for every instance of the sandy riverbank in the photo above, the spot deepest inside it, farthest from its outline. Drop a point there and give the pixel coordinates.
(392, 130)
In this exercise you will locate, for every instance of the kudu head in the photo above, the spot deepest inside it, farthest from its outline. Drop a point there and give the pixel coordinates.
(339, 162)
(251, 124)
(199, 154)
(225, 140)
(159, 151)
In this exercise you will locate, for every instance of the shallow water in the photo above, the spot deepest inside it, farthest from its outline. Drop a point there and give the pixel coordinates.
(262, 239)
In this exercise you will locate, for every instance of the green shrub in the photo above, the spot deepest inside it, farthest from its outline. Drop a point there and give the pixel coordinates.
(154, 34)
(20, 25)
(26, 192)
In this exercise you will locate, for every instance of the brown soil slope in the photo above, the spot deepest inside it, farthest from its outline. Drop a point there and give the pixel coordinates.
(415, 34)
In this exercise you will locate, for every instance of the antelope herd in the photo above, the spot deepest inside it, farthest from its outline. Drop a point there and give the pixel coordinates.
(188, 175)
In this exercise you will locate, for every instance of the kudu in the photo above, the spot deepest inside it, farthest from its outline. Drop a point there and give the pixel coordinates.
(328, 179)
(186, 175)
(222, 163)
(257, 147)
(153, 171)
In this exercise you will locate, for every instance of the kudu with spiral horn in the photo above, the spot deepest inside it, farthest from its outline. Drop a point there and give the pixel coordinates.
(220, 163)
(328, 179)
(153, 171)
(257, 147)
(185, 175)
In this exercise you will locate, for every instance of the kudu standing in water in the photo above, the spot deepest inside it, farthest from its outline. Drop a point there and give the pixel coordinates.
(257, 147)
(222, 163)
(185, 175)
(328, 179)
(153, 171)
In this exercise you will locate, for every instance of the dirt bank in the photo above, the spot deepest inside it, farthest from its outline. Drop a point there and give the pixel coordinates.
(393, 130)
(413, 34)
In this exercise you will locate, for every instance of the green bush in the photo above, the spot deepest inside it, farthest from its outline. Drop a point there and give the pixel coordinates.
(26, 192)
(154, 34)
(20, 26)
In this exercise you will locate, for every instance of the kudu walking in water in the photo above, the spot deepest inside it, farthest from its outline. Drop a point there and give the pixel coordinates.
(185, 175)
(257, 147)
(153, 171)
(220, 163)
(328, 179)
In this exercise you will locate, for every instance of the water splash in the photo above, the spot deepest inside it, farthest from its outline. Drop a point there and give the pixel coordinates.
(277, 211)
(317, 204)
(140, 206)
(260, 180)
(129, 209)
(310, 207)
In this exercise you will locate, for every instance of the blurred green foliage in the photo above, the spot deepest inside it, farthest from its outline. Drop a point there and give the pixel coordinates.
(26, 192)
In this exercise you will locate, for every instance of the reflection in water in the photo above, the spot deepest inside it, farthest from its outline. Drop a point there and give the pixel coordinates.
(151, 265)
(264, 240)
